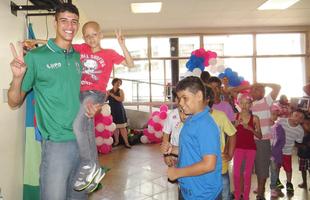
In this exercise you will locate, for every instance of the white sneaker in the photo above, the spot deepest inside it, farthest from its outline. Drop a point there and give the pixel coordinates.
(94, 184)
(86, 176)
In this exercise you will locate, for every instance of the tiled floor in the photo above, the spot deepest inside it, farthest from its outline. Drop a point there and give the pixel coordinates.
(140, 174)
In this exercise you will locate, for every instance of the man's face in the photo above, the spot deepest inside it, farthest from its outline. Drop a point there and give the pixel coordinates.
(66, 25)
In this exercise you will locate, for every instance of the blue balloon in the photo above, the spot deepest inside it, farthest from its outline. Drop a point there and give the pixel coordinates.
(195, 62)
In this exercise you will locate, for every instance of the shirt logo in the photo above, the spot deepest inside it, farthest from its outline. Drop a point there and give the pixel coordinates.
(53, 65)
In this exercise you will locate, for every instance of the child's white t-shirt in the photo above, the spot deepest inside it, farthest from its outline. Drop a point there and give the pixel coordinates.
(173, 126)
(292, 134)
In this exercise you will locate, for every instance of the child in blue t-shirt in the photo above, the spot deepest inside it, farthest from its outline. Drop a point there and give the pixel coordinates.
(199, 167)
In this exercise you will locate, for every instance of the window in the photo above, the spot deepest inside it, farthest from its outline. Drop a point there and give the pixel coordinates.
(280, 44)
(229, 45)
(288, 72)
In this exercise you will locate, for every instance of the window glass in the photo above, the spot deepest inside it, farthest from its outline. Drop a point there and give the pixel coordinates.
(288, 72)
(160, 47)
(188, 44)
(280, 44)
(229, 45)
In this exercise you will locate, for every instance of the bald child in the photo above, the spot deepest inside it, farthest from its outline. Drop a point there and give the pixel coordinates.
(97, 67)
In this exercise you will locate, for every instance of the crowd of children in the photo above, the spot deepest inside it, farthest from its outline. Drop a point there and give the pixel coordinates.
(260, 136)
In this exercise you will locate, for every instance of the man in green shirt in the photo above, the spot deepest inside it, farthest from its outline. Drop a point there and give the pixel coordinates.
(53, 71)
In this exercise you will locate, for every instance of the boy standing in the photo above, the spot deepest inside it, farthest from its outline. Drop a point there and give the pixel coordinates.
(293, 133)
(199, 167)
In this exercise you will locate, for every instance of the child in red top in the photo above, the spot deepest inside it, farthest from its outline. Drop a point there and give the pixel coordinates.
(97, 67)
(247, 126)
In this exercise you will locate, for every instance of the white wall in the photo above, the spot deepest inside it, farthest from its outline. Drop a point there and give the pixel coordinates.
(11, 122)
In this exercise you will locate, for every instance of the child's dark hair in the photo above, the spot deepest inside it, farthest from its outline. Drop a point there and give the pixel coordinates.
(116, 80)
(66, 7)
(193, 84)
(300, 111)
(209, 96)
(214, 79)
(205, 77)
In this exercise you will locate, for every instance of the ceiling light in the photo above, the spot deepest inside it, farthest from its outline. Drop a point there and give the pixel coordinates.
(150, 7)
(277, 4)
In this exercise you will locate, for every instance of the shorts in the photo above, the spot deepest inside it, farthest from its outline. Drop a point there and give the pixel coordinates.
(262, 159)
(287, 163)
(304, 164)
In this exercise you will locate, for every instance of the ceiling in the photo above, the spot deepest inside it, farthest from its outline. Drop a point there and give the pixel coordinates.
(193, 14)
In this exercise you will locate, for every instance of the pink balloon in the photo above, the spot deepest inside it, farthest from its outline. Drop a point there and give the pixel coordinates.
(151, 122)
(98, 118)
(107, 120)
(104, 149)
(199, 52)
(163, 115)
(158, 127)
(146, 132)
(105, 134)
(163, 108)
(211, 54)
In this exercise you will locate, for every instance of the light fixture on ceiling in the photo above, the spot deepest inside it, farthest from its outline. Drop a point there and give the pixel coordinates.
(277, 4)
(149, 7)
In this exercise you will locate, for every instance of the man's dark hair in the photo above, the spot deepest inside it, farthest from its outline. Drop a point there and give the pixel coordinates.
(209, 96)
(205, 75)
(66, 7)
(116, 80)
(191, 83)
(214, 79)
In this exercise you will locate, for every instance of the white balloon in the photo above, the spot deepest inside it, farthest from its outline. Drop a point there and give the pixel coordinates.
(108, 141)
(111, 127)
(197, 72)
(156, 118)
(212, 61)
(212, 69)
(99, 141)
(220, 68)
(106, 110)
(144, 139)
(158, 134)
(100, 127)
(150, 129)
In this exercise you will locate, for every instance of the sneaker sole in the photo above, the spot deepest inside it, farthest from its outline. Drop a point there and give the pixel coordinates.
(85, 186)
(99, 180)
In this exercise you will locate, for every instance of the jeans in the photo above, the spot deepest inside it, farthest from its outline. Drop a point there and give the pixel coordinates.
(274, 174)
(57, 170)
(84, 128)
(226, 187)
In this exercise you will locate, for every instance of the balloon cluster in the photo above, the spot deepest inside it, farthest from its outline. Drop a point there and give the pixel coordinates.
(104, 128)
(232, 76)
(153, 133)
(198, 60)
